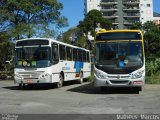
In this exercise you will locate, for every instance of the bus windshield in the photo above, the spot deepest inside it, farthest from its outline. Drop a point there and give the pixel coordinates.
(119, 54)
(33, 57)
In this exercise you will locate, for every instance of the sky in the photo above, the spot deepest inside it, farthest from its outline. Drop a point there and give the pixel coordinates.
(74, 11)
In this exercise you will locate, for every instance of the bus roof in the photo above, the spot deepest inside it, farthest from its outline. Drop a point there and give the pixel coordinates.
(122, 30)
(125, 34)
(52, 40)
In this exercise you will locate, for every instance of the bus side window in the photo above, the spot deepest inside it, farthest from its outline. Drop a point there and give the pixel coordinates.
(84, 56)
(75, 56)
(88, 57)
(69, 53)
(80, 55)
(62, 52)
(55, 56)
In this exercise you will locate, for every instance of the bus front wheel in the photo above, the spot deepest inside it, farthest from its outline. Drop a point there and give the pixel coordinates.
(59, 84)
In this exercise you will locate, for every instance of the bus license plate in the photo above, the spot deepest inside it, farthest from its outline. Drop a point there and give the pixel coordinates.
(29, 81)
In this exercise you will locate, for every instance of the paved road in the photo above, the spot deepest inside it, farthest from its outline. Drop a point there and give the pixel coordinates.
(77, 99)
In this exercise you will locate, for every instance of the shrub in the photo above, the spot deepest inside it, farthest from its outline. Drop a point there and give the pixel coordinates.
(152, 66)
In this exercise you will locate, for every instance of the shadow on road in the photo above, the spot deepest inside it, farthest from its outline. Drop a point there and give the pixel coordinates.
(90, 89)
(86, 88)
(40, 86)
(33, 87)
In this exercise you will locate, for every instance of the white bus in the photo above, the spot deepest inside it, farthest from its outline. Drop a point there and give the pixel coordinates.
(41, 60)
(120, 59)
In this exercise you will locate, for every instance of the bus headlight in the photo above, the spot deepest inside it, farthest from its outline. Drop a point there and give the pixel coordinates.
(137, 74)
(44, 75)
(100, 75)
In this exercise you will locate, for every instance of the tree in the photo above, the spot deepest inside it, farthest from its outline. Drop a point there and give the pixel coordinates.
(27, 18)
(152, 37)
(137, 25)
(5, 49)
(91, 20)
(75, 37)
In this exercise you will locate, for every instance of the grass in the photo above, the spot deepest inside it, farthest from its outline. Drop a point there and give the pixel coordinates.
(154, 79)
(91, 77)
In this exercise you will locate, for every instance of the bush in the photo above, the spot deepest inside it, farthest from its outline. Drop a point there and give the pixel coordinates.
(7, 72)
(152, 66)
(153, 79)
(152, 71)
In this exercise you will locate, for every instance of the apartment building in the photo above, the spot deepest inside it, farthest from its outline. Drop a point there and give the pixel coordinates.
(123, 13)
(156, 18)
(91, 4)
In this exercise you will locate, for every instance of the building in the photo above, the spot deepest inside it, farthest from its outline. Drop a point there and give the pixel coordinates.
(156, 18)
(123, 13)
(90, 5)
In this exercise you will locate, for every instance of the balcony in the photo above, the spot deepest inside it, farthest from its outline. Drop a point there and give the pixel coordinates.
(109, 7)
(131, 2)
(114, 22)
(131, 8)
(111, 17)
(132, 15)
(109, 10)
(109, 2)
(130, 22)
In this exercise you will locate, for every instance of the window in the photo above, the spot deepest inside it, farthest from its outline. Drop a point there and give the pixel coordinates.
(88, 57)
(69, 53)
(55, 56)
(62, 52)
(148, 5)
(84, 56)
(75, 57)
(80, 55)
(32, 42)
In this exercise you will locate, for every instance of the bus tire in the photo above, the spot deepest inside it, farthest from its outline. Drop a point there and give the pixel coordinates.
(21, 85)
(80, 80)
(103, 88)
(31, 85)
(59, 84)
(138, 89)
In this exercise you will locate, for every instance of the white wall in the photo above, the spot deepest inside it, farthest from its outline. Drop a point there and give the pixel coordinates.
(146, 10)
(91, 4)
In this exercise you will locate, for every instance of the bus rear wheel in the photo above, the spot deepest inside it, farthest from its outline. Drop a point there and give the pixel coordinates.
(59, 84)
(80, 80)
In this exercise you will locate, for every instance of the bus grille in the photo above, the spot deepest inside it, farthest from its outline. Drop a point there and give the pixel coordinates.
(119, 77)
(119, 81)
(30, 75)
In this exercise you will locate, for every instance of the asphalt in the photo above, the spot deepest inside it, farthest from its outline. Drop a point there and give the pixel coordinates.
(76, 98)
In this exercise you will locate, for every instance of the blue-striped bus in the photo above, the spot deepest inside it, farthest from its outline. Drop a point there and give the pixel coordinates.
(41, 60)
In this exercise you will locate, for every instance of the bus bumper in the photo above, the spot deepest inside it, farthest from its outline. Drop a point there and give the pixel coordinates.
(32, 81)
(118, 82)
